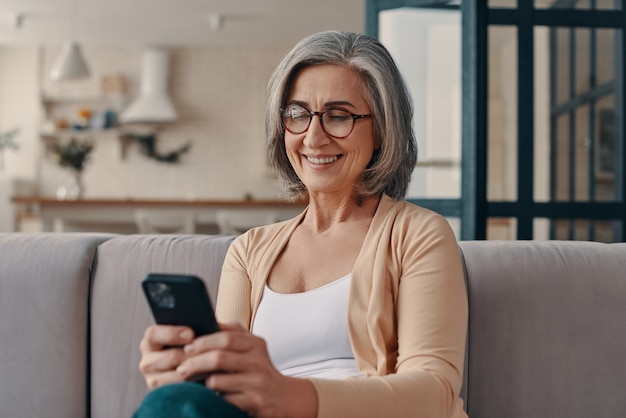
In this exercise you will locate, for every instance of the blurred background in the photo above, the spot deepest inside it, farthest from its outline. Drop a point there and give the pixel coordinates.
(518, 109)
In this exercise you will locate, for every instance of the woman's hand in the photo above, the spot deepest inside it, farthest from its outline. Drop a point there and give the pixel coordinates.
(243, 374)
(158, 364)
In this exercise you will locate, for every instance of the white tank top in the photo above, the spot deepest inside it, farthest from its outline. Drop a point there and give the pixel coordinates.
(307, 333)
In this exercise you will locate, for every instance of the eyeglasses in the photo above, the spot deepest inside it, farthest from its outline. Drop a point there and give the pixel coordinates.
(336, 122)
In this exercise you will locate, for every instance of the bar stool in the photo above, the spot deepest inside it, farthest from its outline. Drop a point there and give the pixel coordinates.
(164, 222)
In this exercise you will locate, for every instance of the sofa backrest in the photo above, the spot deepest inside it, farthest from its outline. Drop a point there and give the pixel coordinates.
(547, 333)
(120, 314)
(44, 282)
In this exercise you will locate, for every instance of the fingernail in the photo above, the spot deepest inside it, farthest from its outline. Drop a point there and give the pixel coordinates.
(186, 335)
(188, 349)
(181, 370)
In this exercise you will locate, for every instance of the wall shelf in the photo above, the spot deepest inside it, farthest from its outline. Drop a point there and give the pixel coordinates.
(81, 133)
(64, 118)
(110, 99)
(61, 112)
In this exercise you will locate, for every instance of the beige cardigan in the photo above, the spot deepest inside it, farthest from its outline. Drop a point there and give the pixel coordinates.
(407, 315)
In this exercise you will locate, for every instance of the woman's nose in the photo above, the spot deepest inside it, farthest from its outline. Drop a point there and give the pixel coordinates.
(315, 136)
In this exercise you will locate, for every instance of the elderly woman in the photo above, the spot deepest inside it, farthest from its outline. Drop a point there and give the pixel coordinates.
(356, 307)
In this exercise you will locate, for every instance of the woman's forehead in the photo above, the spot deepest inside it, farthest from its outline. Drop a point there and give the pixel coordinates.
(326, 83)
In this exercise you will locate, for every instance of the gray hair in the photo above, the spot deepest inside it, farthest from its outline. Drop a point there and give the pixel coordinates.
(389, 100)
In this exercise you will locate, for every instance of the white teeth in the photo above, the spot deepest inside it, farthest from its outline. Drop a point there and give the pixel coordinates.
(322, 160)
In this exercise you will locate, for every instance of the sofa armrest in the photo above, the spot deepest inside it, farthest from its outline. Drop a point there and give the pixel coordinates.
(546, 329)
(44, 282)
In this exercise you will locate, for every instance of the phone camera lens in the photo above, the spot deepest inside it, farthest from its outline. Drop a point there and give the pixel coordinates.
(161, 295)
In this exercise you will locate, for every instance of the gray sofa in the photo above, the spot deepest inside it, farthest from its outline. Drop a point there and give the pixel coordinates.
(547, 329)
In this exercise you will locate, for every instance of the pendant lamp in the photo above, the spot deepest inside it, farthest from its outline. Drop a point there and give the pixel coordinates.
(70, 64)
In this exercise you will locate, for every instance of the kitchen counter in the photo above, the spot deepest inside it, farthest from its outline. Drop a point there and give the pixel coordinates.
(117, 215)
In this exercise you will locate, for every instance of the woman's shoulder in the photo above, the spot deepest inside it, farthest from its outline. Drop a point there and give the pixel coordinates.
(403, 221)
(409, 227)
(399, 210)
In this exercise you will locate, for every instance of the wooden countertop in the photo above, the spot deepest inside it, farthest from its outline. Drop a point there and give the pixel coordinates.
(190, 203)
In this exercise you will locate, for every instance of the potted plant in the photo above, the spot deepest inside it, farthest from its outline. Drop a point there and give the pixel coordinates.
(7, 142)
(72, 155)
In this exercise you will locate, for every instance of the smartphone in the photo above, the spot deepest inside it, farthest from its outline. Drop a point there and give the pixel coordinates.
(177, 299)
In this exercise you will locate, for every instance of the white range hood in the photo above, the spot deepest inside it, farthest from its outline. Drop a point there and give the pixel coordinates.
(153, 103)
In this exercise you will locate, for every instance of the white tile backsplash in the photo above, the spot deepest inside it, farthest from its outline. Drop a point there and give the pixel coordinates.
(219, 94)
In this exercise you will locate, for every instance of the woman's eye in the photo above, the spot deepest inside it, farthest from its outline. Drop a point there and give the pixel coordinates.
(337, 115)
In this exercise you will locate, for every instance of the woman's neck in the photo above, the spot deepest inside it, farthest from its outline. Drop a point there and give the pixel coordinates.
(325, 211)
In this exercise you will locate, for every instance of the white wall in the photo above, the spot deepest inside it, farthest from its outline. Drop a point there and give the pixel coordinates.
(220, 97)
(18, 109)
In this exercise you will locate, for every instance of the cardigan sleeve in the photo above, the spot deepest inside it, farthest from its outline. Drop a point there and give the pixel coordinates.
(431, 315)
(234, 292)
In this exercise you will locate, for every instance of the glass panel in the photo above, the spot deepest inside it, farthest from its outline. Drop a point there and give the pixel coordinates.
(583, 4)
(502, 114)
(607, 231)
(561, 75)
(554, 4)
(503, 4)
(572, 230)
(606, 157)
(579, 4)
(579, 64)
(431, 65)
(582, 143)
(580, 230)
(561, 159)
(561, 229)
(582, 51)
(541, 229)
(576, 153)
(609, 4)
(605, 54)
(501, 228)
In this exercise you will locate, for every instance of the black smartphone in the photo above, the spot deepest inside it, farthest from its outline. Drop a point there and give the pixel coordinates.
(177, 299)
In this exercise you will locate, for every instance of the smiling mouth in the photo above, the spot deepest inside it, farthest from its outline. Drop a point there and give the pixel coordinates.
(322, 160)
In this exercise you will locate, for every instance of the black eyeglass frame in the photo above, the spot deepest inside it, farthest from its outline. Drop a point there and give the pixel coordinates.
(354, 116)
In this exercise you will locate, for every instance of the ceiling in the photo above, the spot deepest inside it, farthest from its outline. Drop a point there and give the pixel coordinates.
(138, 23)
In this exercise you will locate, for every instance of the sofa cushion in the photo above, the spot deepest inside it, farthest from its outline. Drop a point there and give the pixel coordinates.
(546, 329)
(44, 282)
(120, 313)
